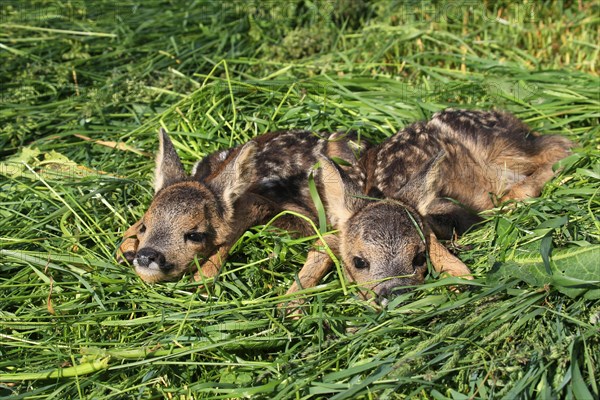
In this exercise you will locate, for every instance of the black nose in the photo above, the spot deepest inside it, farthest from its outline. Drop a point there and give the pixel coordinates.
(388, 293)
(147, 256)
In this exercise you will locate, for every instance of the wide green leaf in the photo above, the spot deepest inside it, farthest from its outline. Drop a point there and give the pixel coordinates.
(574, 272)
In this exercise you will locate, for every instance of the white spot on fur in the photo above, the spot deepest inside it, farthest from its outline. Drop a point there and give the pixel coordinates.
(195, 167)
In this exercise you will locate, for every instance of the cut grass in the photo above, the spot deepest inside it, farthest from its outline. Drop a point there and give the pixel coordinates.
(75, 324)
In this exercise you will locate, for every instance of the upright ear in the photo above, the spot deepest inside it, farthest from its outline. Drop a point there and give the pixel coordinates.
(236, 176)
(169, 169)
(342, 196)
(423, 188)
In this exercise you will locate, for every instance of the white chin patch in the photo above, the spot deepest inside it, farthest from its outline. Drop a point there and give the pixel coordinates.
(153, 266)
(148, 275)
(384, 302)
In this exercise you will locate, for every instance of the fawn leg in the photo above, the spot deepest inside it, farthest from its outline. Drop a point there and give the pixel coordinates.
(252, 209)
(212, 266)
(530, 186)
(445, 262)
(128, 248)
(316, 266)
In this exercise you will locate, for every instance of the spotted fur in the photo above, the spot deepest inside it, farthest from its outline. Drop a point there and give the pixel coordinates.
(200, 216)
(432, 178)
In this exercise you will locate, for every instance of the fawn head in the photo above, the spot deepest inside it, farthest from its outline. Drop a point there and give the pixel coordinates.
(383, 243)
(188, 217)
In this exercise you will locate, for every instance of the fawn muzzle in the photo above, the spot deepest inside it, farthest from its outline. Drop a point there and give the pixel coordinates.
(151, 259)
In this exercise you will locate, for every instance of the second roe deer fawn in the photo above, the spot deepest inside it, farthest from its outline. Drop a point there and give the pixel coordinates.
(431, 179)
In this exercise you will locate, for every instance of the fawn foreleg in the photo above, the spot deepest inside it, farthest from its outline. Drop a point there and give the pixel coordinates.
(250, 210)
(212, 266)
(317, 264)
(129, 245)
(445, 262)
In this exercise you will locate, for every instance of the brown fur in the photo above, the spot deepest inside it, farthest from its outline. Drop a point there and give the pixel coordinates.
(200, 217)
(434, 177)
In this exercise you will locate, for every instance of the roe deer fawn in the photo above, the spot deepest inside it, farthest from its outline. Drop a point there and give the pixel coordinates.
(203, 214)
(431, 179)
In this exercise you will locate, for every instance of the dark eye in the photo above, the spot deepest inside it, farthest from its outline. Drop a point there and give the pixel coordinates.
(196, 237)
(419, 260)
(360, 263)
(142, 228)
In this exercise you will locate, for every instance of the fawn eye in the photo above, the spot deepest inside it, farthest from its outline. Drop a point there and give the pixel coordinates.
(142, 228)
(196, 237)
(360, 263)
(419, 259)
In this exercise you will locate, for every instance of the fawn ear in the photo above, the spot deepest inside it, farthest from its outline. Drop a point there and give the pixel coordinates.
(424, 187)
(236, 177)
(169, 169)
(209, 164)
(341, 194)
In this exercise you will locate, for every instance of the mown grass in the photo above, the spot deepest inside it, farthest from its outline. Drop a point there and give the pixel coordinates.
(76, 324)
